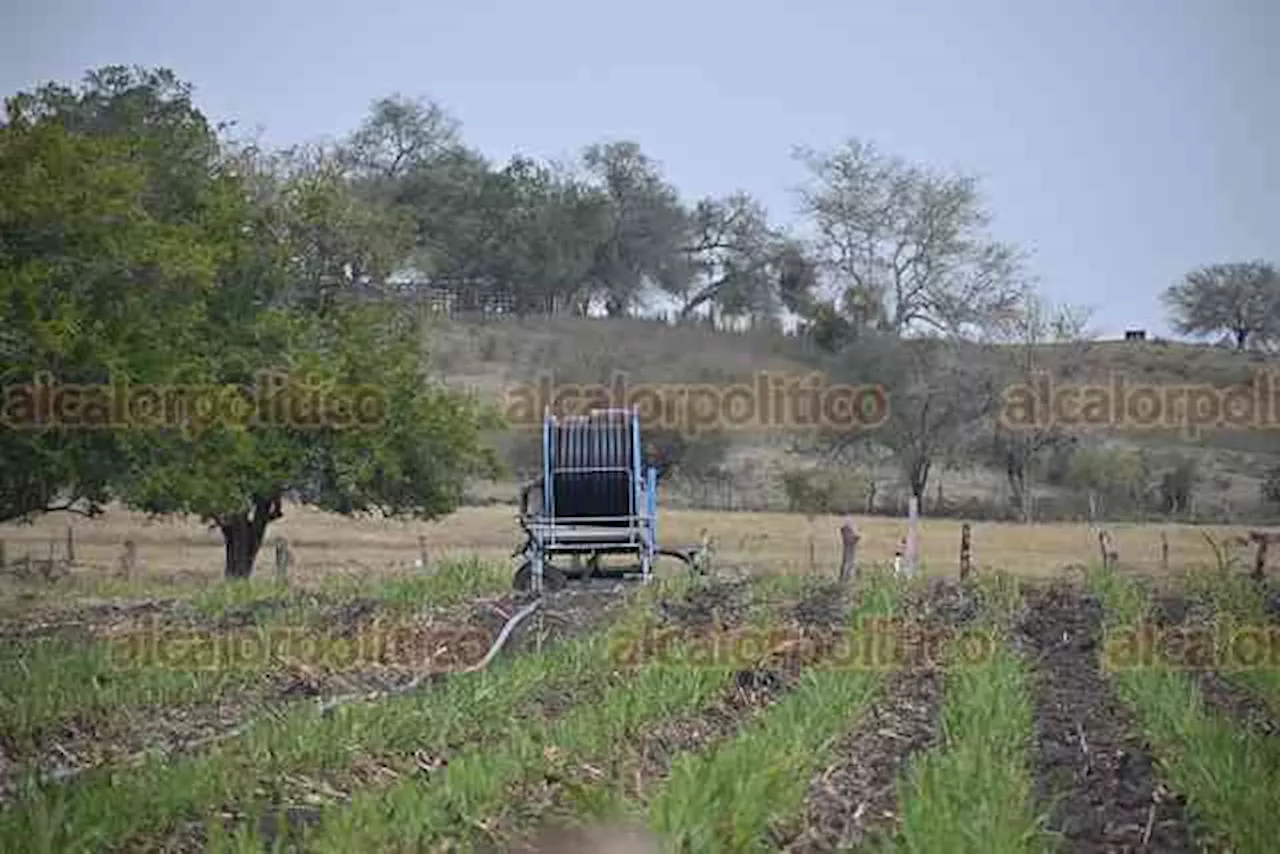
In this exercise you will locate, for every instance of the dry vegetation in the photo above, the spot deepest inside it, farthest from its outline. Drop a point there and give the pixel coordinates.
(497, 355)
(182, 553)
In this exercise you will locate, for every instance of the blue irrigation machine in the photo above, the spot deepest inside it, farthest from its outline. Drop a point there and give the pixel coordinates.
(596, 498)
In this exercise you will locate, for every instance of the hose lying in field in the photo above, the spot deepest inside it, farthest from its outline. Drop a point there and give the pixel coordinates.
(59, 775)
(516, 618)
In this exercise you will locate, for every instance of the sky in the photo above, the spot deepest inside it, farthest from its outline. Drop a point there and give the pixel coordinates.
(1120, 143)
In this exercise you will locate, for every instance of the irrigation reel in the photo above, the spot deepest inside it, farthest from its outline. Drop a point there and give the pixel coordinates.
(595, 499)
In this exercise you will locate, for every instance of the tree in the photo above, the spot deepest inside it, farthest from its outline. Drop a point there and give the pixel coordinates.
(402, 446)
(906, 246)
(1039, 339)
(1178, 483)
(134, 247)
(552, 224)
(645, 227)
(939, 392)
(275, 312)
(1242, 299)
(112, 224)
(740, 264)
(399, 136)
(339, 238)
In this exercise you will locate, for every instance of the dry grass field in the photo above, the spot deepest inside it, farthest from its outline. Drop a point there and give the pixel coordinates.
(322, 544)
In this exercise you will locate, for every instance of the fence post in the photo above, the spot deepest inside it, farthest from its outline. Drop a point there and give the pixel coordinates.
(129, 560)
(913, 535)
(282, 560)
(3, 561)
(1164, 552)
(1110, 555)
(71, 546)
(422, 553)
(848, 550)
(1260, 559)
(966, 560)
(813, 559)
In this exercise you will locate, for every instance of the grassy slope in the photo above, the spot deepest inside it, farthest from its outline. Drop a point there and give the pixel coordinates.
(494, 355)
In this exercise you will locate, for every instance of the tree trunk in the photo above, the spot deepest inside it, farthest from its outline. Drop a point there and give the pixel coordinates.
(1242, 338)
(615, 307)
(243, 534)
(918, 478)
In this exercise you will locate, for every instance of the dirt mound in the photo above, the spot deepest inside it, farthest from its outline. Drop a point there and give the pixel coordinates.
(824, 606)
(1089, 764)
(712, 603)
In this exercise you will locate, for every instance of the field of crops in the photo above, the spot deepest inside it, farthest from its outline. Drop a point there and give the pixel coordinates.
(758, 713)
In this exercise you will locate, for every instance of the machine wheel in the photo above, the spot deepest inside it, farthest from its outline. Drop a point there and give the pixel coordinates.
(552, 578)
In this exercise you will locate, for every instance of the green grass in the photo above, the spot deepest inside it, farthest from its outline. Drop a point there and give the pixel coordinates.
(45, 681)
(726, 799)
(1229, 774)
(103, 807)
(1240, 607)
(974, 792)
(420, 813)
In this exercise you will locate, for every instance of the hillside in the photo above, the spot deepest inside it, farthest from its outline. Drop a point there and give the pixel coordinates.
(500, 357)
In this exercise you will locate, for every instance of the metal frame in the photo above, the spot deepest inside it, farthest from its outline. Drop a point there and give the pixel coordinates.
(550, 534)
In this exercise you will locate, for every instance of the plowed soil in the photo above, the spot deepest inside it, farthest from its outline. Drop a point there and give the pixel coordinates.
(1096, 773)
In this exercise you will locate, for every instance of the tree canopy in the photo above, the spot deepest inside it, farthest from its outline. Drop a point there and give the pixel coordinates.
(141, 254)
(1241, 299)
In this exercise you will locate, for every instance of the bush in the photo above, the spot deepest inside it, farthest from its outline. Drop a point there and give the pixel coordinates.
(1271, 485)
(674, 452)
(813, 491)
(1121, 477)
(1177, 485)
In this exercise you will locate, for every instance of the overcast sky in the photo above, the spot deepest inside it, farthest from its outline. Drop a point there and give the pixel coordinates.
(1120, 142)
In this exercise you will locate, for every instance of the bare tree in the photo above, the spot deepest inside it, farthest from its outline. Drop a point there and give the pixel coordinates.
(907, 246)
(1240, 298)
(939, 392)
(1040, 339)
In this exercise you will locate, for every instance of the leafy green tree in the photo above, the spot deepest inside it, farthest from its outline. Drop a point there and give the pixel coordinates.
(111, 230)
(133, 246)
(1242, 299)
(741, 265)
(547, 230)
(356, 426)
(645, 228)
(340, 238)
(399, 137)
